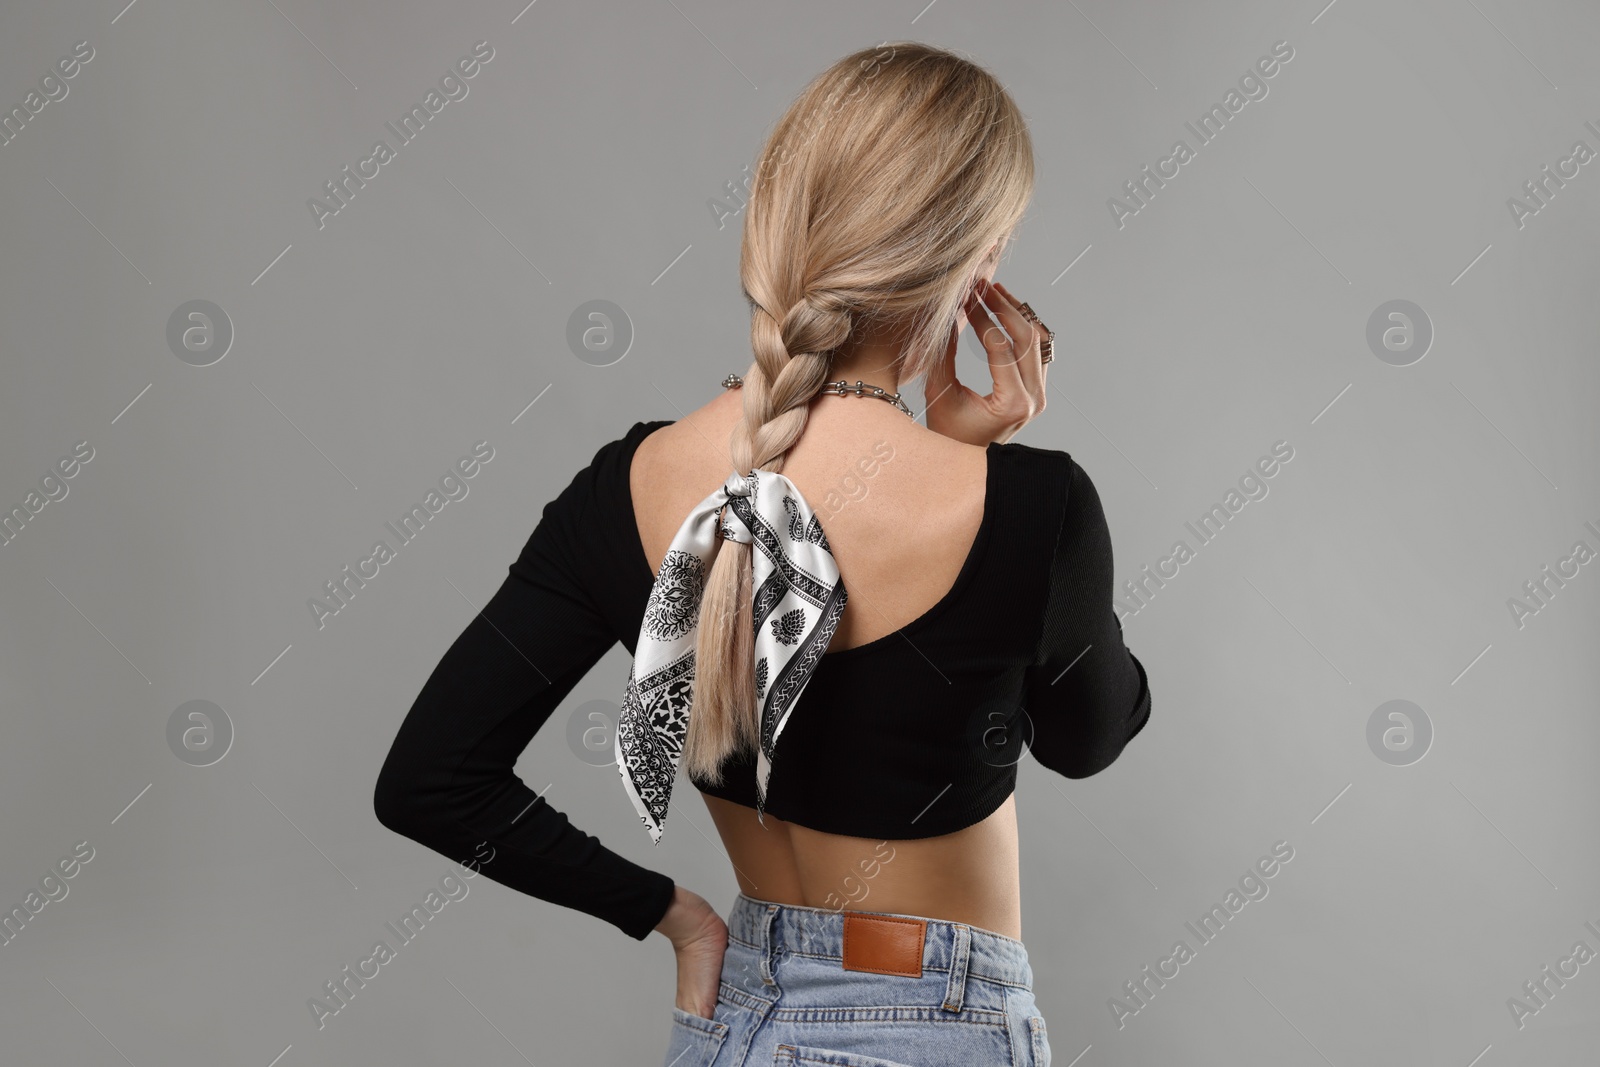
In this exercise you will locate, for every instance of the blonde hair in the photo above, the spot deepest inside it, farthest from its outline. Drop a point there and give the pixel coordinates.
(878, 198)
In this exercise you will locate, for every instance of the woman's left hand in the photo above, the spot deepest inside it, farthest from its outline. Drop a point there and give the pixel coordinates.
(1016, 364)
(700, 938)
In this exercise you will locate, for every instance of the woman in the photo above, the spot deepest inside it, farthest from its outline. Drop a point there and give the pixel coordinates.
(849, 644)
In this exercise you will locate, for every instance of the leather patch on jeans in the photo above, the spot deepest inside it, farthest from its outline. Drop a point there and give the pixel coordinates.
(883, 945)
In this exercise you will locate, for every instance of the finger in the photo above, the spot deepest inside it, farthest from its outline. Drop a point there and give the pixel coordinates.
(997, 346)
(1040, 331)
(1015, 322)
(1031, 360)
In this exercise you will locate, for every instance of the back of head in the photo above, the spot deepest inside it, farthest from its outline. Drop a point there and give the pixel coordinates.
(878, 197)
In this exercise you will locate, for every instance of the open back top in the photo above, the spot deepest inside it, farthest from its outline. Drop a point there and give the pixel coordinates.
(915, 734)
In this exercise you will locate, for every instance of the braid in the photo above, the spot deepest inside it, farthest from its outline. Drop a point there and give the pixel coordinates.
(790, 367)
(791, 363)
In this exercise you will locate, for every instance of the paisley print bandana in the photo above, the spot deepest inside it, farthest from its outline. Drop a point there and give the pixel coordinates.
(797, 597)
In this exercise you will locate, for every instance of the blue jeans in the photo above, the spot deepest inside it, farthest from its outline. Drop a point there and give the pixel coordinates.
(786, 999)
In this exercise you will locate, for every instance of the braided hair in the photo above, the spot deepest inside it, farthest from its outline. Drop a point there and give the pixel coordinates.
(879, 195)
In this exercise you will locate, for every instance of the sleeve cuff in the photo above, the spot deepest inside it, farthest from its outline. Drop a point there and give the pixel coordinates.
(1141, 706)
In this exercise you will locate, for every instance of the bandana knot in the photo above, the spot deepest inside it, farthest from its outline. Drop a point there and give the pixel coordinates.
(737, 487)
(797, 598)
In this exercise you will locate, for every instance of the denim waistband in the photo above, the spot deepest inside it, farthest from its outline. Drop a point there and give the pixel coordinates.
(819, 932)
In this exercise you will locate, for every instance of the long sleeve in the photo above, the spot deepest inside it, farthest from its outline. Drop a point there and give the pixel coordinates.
(1087, 696)
(448, 782)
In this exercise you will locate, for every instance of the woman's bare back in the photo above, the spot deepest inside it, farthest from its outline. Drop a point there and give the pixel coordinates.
(900, 535)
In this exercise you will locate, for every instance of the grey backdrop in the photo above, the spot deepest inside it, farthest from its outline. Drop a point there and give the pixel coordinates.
(1230, 312)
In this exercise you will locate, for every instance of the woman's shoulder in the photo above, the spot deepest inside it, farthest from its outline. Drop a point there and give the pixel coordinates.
(1037, 465)
(618, 451)
(602, 477)
(1037, 453)
(658, 441)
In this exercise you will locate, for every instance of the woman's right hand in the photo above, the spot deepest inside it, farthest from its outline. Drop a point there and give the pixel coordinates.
(699, 938)
(1015, 364)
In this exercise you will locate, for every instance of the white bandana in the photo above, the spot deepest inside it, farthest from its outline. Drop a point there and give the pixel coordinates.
(797, 598)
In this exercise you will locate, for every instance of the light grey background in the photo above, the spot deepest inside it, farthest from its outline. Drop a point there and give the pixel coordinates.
(1228, 314)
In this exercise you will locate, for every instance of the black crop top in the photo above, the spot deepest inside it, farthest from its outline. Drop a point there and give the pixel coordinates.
(915, 734)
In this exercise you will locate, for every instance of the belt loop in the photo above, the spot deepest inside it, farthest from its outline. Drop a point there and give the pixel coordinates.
(768, 945)
(956, 987)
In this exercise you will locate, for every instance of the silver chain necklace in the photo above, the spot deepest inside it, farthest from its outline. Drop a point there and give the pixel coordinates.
(840, 388)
